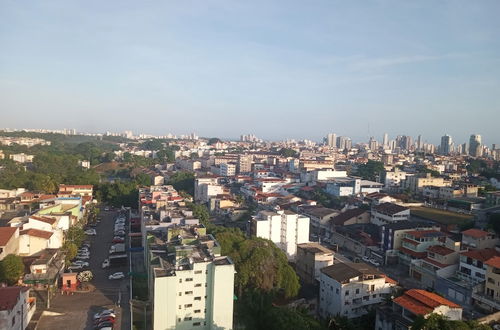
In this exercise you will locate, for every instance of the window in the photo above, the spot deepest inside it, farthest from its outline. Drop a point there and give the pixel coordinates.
(180, 280)
(347, 292)
(196, 324)
(357, 291)
(180, 306)
(179, 319)
(189, 279)
(197, 298)
(374, 296)
(188, 292)
(366, 297)
(188, 318)
(197, 285)
(196, 311)
(13, 321)
(198, 272)
(180, 294)
(373, 287)
(188, 305)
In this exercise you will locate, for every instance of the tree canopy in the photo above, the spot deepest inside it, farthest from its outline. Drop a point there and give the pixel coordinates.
(439, 322)
(371, 170)
(182, 181)
(287, 152)
(11, 269)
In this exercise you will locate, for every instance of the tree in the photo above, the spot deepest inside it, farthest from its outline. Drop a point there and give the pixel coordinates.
(85, 277)
(200, 212)
(75, 235)
(371, 170)
(70, 250)
(494, 222)
(11, 269)
(183, 181)
(213, 141)
(287, 152)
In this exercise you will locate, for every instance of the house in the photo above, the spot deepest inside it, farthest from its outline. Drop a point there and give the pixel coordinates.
(351, 289)
(490, 299)
(412, 304)
(472, 264)
(75, 190)
(393, 233)
(350, 217)
(389, 213)
(311, 258)
(440, 261)
(415, 243)
(478, 239)
(16, 307)
(9, 241)
(33, 240)
(46, 267)
(356, 238)
(349, 186)
(285, 228)
(320, 216)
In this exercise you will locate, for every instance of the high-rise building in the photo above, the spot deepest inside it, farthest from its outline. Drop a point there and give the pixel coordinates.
(475, 145)
(385, 141)
(372, 144)
(446, 143)
(419, 145)
(191, 285)
(331, 140)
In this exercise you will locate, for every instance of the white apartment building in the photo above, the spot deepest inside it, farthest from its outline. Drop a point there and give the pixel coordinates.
(387, 213)
(394, 178)
(285, 228)
(16, 307)
(227, 169)
(205, 188)
(191, 285)
(350, 289)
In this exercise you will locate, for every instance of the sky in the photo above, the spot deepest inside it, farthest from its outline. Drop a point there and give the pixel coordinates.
(274, 68)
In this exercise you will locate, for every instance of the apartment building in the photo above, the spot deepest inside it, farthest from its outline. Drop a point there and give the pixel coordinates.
(351, 289)
(417, 183)
(387, 213)
(492, 285)
(191, 285)
(9, 241)
(311, 258)
(392, 179)
(228, 169)
(205, 188)
(412, 304)
(472, 264)
(440, 261)
(285, 228)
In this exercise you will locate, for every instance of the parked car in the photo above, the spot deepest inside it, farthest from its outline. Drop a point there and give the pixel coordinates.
(105, 312)
(105, 318)
(75, 267)
(374, 262)
(83, 256)
(119, 232)
(118, 240)
(91, 232)
(366, 259)
(116, 276)
(105, 263)
(81, 262)
(104, 325)
(106, 208)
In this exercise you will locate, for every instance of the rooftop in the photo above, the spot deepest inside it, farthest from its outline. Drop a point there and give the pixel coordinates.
(5, 234)
(421, 302)
(390, 208)
(481, 255)
(476, 233)
(349, 214)
(9, 296)
(314, 248)
(345, 271)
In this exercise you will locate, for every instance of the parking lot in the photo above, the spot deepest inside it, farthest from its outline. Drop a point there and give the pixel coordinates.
(76, 311)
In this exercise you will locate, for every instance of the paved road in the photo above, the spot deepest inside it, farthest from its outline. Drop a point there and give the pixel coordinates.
(76, 311)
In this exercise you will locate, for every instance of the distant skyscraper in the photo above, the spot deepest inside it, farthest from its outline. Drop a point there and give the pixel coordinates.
(331, 140)
(446, 143)
(419, 143)
(385, 140)
(372, 144)
(475, 145)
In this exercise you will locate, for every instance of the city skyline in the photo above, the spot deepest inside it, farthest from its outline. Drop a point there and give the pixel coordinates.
(221, 69)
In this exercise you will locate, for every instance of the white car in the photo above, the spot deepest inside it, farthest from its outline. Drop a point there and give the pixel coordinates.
(83, 256)
(366, 259)
(91, 232)
(119, 232)
(75, 267)
(116, 276)
(106, 312)
(81, 262)
(374, 262)
(105, 263)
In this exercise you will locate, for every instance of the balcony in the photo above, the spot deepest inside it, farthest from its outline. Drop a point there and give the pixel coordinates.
(487, 300)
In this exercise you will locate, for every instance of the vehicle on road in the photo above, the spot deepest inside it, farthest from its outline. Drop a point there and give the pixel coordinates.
(81, 262)
(119, 232)
(374, 262)
(105, 312)
(83, 257)
(105, 263)
(106, 208)
(91, 232)
(117, 276)
(366, 259)
(118, 240)
(117, 248)
(75, 267)
(105, 318)
(104, 325)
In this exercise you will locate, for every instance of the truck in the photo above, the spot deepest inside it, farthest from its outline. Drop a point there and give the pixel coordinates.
(117, 260)
(117, 248)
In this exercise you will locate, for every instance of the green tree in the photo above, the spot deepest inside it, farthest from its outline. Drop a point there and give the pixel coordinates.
(75, 235)
(371, 170)
(494, 222)
(182, 181)
(70, 251)
(11, 269)
(440, 322)
(213, 141)
(287, 152)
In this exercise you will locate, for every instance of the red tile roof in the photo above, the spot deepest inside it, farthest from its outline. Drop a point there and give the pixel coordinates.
(425, 233)
(9, 296)
(50, 221)
(418, 255)
(37, 233)
(493, 262)
(435, 263)
(6, 234)
(481, 255)
(441, 250)
(476, 233)
(421, 302)
(410, 241)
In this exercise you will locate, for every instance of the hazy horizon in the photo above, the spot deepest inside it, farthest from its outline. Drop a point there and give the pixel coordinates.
(276, 69)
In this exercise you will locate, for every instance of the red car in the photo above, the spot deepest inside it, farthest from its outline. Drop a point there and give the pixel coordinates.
(118, 240)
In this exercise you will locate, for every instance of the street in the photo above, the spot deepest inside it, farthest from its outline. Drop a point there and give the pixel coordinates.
(76, 311)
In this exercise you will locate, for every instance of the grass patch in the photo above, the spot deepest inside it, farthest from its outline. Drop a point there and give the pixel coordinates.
(441, 216)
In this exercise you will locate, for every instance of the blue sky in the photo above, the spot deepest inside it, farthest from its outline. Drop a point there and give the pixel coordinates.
(278, 69)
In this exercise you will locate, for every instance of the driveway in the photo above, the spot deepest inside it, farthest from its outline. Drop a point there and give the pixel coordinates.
(76, 311)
